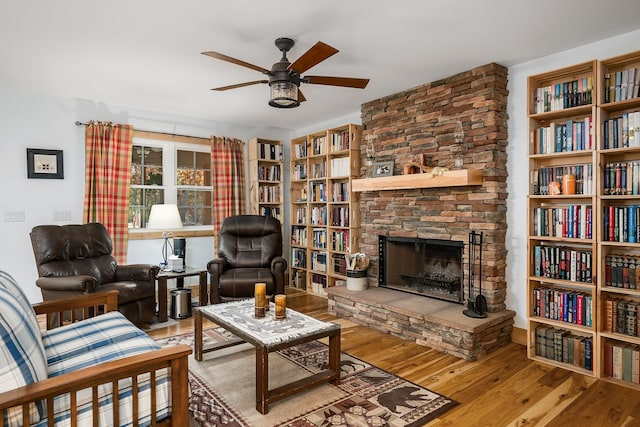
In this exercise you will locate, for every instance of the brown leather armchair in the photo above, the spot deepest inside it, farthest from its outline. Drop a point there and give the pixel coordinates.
(76, 259)
(249, 251)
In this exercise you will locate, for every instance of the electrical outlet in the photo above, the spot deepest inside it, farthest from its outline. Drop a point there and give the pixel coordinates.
(13, 216)
(62, 215)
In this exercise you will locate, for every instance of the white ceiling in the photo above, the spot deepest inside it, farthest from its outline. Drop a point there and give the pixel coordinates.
(145, 54)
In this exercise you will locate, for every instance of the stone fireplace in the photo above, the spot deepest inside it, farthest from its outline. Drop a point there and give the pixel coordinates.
(427, 267)
(419, 123)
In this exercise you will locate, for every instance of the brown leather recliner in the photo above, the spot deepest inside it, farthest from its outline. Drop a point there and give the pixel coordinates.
(249, 251)
(76, 259)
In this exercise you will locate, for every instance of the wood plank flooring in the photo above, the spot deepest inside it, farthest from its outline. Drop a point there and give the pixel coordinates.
(503, 389)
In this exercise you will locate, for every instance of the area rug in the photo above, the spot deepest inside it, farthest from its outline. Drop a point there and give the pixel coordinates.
(223, 390)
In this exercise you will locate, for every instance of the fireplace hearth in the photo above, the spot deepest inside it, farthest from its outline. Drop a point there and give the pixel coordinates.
(427, 267)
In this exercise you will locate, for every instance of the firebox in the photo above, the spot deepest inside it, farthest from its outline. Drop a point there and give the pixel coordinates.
(428, 267)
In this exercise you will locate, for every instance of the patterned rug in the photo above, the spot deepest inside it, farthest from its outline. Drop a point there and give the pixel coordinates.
(223, 390)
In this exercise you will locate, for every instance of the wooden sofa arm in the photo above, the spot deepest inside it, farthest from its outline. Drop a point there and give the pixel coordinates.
(175, 358)
(78, 308)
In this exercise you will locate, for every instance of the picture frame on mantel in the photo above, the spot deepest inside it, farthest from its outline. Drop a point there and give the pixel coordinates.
(44, 164)
(382, 169)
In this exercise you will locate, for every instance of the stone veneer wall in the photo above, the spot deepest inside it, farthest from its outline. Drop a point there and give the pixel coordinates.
(421, 120)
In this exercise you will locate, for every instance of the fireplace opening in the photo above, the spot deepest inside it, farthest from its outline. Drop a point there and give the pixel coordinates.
(428, 267)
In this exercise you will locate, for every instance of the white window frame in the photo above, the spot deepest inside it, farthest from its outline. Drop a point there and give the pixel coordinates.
(169, 169)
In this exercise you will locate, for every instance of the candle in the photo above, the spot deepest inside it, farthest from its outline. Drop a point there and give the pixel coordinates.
(260, 293)
(281, 306)
(267, 300)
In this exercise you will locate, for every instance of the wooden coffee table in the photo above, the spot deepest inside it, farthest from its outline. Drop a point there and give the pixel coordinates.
(268, 335)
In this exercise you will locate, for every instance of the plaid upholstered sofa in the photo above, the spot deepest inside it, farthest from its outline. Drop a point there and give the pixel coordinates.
(65, 376)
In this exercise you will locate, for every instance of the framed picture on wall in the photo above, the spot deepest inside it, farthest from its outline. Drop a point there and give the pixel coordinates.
(44, 164)
(382, 169)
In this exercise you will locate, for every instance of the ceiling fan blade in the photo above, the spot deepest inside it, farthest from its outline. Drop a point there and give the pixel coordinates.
(240, 85)
(337, 81)
(301, 97)
(315, 55)
(222, 57)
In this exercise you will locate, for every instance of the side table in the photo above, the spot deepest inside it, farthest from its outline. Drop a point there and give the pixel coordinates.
(162, 278)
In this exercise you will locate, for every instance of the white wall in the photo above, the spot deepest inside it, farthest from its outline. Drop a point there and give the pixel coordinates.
(517, 151)
(29, 120)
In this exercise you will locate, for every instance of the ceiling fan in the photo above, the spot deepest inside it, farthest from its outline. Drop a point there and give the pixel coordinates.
(285, 77)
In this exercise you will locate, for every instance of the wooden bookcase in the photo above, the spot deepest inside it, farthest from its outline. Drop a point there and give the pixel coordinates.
(619, 155)
(325, 216)
(562, 244)
(613, 115)
(265, 177)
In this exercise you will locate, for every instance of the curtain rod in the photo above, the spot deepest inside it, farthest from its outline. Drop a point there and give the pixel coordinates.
(79, 123)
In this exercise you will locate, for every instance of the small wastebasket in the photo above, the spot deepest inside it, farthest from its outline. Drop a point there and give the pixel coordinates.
(180, 304)
(357, 280)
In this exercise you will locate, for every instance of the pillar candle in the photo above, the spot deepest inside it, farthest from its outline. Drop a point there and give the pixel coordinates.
(260, 293)
(281, 306)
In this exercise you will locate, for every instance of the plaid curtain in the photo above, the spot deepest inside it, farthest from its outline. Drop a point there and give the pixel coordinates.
(107, 181)
(227, 166)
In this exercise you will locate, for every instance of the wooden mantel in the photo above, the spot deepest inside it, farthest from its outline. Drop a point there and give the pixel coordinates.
(452, 178)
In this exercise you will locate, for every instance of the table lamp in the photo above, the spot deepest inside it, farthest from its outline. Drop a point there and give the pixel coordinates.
(165, 218)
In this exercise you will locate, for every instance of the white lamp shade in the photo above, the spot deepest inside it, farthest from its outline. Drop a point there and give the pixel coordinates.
(164, 217)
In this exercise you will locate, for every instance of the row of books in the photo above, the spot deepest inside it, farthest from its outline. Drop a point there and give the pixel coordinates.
(298, 235)
(340, 216)
(299, 279)
(319, 261)
(319, 169)
(319, 238)
(620, 224)
(300, 215)
(340, 191)
(582, 179)
(562, 263)
(270, 151)
(300, 171)
(563, 95)
(563, 306)
(622, 271)
(269, 173)
(621, 85)
(270, 211)
(340, 240)
(622, 178)
(622, 361)
(318, 191)
(298, 258)
(318, 283)
(318, 145)
(339, 264)
(621, 132)
(572, 135)
(269, 194)
(340, 166)
(572, 221)
(621, 317)
(562, 346)
(299, 151)
(319, 215)
(340, 141)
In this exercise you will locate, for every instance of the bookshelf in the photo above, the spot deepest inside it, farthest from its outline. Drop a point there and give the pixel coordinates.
(325, 218)
(610, 163)
(619, 198)
(265, 177)
(562, 206)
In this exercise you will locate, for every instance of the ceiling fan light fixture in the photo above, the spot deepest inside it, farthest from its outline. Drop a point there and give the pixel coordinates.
(284, 94)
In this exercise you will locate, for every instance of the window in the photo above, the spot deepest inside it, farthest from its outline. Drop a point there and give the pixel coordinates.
(169, 172)
(193, 180)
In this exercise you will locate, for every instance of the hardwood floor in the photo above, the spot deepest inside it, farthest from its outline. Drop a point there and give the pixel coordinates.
(503, 389)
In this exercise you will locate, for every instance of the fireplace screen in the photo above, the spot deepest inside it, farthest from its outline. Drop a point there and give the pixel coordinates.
(428, 267)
